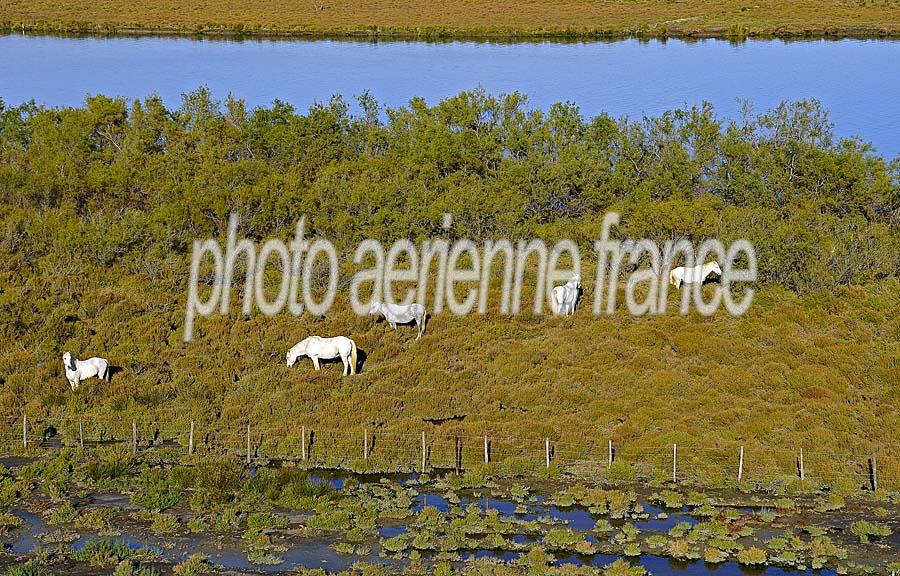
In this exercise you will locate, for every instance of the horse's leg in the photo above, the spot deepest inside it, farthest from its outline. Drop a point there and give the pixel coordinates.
(418, 328)
(346, 364)
(315, 362)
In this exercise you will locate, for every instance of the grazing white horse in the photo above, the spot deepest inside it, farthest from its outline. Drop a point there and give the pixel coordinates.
(563, 298)
(78, 370)
(400, 314)
(697, 274)
(325, 348)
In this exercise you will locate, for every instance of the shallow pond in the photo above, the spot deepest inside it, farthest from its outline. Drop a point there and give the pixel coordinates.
(316, 550)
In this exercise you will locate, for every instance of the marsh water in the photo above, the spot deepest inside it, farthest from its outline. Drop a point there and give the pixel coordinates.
(856, 80)
(318, 551)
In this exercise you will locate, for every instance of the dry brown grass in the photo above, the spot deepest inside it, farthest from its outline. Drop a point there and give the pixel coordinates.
(731, 18)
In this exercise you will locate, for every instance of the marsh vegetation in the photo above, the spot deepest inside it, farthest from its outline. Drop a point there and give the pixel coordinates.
(201, 517)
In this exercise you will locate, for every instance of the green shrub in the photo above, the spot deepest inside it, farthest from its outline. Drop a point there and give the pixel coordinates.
(103, 553)
(62, 514)
(195, 565)
(129, 568)
(97, 518)
(154, 491)
(30, 568)
(867, 531)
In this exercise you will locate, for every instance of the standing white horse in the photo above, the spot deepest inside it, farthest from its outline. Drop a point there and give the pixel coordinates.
(563, 298)
(325, 348)
(697, 274)
(400, 314)
(78, 370)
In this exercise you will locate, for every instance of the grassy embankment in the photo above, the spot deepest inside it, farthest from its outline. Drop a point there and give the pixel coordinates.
(101, 204)
(813, 372)
(506, 19)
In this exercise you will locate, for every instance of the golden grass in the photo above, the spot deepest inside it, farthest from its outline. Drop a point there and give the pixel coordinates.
(818, 372)
(730, 18)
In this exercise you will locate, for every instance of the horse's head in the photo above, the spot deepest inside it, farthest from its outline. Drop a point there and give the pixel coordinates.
(68, 360)
(575, 280)
(297, 351)
(375, 308)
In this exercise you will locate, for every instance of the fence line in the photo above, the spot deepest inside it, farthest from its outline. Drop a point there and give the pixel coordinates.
(381, 450)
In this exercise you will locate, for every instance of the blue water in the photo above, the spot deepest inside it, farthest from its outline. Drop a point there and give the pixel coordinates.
(856, 80)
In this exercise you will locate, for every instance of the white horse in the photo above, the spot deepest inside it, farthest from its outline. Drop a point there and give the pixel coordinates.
(400, 314)
(78, 370)
(697, 274)
(325, 348)
(563, 298)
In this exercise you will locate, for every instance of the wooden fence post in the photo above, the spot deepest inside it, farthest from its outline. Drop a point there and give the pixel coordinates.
(674, 461)
(303, 443)
(191, 440)
(487, 454)
(547, 450)
(24, 431)
(134, 436)
(424, 452)
(741, 465)
(874, 474)
(610, 454)
(248, 444)
(802, 471)
(81, 432)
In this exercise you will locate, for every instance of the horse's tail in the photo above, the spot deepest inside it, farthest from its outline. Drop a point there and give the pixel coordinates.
(672, 276)
(424, 320)
(352, 357)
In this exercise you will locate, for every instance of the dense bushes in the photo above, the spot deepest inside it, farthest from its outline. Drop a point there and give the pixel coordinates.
(109, 183)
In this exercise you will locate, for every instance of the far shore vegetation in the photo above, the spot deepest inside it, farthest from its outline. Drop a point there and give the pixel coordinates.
(504, 19)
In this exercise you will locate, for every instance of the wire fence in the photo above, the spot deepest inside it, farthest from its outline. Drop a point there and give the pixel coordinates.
(380, 450)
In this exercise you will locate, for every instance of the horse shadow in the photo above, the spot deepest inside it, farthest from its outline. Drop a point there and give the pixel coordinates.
(425, 322)
(112, 371)
(361, 356)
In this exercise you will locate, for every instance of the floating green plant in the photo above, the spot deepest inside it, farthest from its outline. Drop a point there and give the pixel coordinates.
(752, 556)
(567, 540)
(714, 555)
(667, 498)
